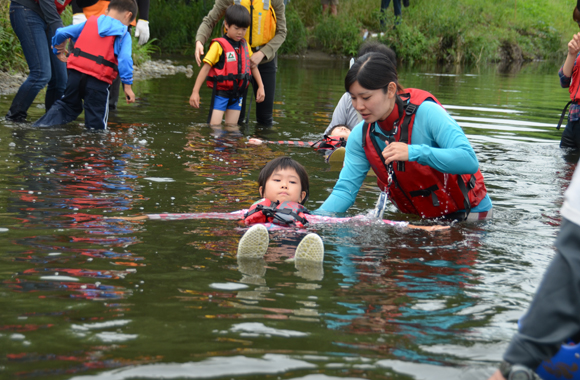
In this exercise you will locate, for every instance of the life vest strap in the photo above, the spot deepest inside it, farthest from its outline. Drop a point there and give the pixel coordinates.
(77, 52)
(564, 113)
(426, 192)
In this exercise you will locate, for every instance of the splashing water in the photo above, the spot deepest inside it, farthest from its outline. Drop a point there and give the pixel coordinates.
(379, 209)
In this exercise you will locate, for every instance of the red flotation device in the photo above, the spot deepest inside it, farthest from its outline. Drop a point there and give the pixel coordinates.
(285, 213)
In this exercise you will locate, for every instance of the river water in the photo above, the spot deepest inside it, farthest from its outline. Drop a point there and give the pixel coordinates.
(87, 296)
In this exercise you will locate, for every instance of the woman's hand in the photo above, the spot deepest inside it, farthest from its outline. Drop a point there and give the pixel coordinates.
(256, 58)
(396, 151)
(198, 52)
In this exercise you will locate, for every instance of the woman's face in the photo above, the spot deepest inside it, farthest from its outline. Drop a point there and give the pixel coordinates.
(373, 105)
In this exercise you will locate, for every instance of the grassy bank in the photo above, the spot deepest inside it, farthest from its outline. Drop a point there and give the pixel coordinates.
(452, 31)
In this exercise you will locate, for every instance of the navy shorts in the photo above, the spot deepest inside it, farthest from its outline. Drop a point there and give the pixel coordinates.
(221, 104)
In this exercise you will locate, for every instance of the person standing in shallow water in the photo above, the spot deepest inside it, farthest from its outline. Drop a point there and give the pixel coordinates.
(265, 36)
(569, 78)
(419, 153)
(35, 22)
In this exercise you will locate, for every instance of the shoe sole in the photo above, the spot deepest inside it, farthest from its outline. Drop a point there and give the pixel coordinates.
(336, 156)
(254, 243)
(311, 248)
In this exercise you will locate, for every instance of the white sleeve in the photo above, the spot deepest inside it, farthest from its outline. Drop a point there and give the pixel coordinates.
(571, 207)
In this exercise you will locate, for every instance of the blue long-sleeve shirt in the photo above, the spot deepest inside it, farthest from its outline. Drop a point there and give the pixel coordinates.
(108, 26)
(437, 141)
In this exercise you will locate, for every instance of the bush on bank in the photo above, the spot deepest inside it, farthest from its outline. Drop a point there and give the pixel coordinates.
(452, 31)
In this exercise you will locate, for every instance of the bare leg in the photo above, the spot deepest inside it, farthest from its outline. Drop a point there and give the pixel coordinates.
(231, 117)
(217, 117)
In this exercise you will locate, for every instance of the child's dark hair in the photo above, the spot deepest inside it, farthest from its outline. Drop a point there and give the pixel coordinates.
(336, 126)
(238, 15)
(282, 163)
(125, 6)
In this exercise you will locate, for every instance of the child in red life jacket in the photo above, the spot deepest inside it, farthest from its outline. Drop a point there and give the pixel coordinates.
(102, 51)
(227, 70)
(336, 138)
(569, 77)
(284, 186)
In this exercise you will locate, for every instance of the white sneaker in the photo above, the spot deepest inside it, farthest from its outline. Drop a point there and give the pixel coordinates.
(254, 243)
(310, 248)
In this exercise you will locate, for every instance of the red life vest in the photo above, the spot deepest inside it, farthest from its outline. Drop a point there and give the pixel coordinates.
(234, 76)
(94, 55)
(574, 90)
(285, 213)
(415, 188)
(329, 143)
(60, 5)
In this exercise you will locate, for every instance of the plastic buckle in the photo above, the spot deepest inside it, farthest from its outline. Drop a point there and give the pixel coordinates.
(410, 109)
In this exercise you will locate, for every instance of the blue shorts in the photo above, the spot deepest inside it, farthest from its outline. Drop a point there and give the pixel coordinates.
(221, 104)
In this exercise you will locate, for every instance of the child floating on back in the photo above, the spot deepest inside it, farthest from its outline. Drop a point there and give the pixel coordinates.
(228, 70)
(283, 185)
(102, 51)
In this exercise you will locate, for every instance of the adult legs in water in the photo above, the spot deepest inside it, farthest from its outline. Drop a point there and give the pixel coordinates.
(571, 136)
(33, 32)
(265, 109)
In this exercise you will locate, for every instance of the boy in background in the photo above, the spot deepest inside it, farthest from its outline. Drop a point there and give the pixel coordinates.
(227, 69)
(102, 51)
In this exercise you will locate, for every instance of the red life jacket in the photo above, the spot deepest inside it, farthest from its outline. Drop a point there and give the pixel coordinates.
(329, 143)
(235, 74)
(415, 188)
(285, 213)
(60, 5)
(94, 55)
(574, 90)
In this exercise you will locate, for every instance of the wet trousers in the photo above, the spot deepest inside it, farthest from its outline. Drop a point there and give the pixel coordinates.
(571, 136)
(35, 38)
(80, 87)
(264, 110)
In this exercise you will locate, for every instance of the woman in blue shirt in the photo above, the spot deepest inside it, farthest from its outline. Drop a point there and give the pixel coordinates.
(417, 169)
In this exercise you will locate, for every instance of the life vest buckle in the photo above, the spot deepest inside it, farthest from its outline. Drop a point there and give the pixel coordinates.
(410, 109)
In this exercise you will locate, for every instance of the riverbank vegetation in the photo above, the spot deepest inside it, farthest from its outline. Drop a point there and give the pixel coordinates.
(450, 31)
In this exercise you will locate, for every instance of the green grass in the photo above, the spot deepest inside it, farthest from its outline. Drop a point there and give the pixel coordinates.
(452, 31)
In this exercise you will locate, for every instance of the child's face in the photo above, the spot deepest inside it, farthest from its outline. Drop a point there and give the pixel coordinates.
(343, 132)
(235, 32)
(283, 186)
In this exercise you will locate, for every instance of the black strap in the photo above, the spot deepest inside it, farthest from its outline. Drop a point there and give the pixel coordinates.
(99, 59)
(426, 192)
(564, 113)
(465, 191)
(410, 109)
